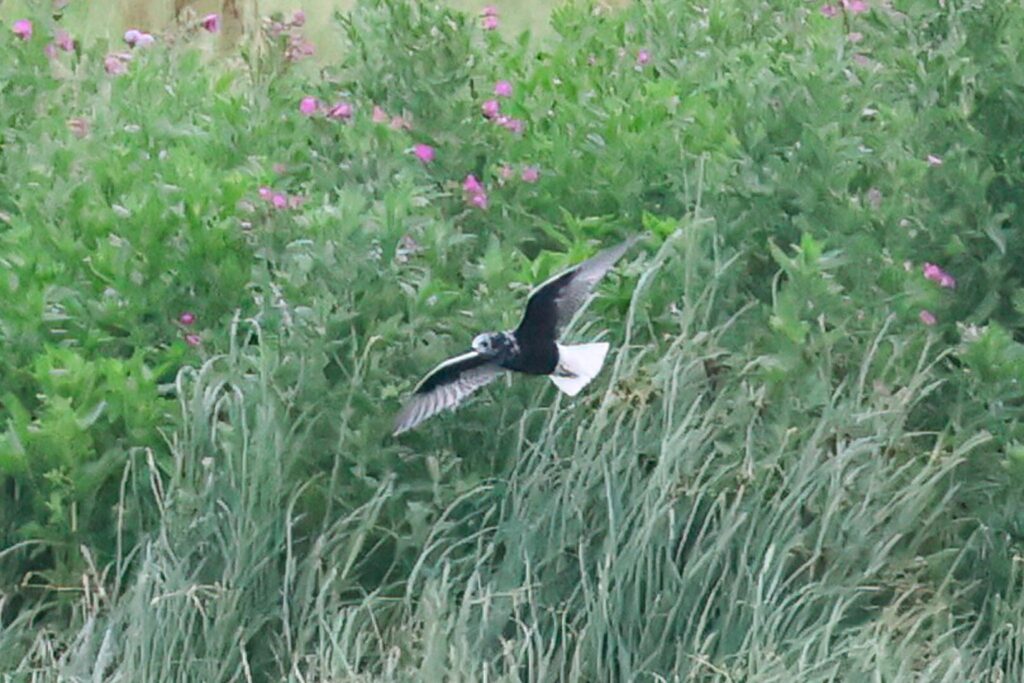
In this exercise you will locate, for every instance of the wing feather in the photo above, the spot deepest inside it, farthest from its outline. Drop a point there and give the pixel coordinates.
(446, 386)
(553, 303)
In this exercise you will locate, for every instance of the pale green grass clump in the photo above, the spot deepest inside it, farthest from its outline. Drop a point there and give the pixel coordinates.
(671, 526)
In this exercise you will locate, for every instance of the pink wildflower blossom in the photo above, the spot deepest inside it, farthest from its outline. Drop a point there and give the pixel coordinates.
(79, 127)
(114, 65)
(187, 318)
(490, 109)
(379, 115)
(308, 106)
(22, 28)
(266, 193)
(211, 22)
(489, 18)
(63, 40)
(471, 185)
(855, 6)
(299, 18)
(514, 125)
(475, 193)
(643, 57)
(341, 111)
(503, 89)
(530, 174)
(424, 153)
(829, 11)
(193, 339)
(939, 276)
(934, 160)
(927, 317)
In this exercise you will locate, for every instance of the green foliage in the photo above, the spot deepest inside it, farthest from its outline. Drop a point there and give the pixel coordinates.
(782, 474)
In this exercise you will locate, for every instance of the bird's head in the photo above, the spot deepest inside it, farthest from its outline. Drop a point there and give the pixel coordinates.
(492, 343)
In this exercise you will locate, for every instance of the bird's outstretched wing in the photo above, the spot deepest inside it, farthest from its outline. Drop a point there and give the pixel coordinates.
(445, 387)
(552, 304)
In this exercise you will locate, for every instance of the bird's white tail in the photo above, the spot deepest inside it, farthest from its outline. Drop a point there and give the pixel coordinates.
(577, 365)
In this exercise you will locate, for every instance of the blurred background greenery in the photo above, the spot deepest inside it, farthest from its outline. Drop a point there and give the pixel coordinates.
(108, 20)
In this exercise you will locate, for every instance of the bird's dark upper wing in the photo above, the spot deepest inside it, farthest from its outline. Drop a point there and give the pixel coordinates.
(553, 303)
(445, 387)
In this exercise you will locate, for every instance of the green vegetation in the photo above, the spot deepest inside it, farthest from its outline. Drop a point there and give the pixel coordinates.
(802, 462)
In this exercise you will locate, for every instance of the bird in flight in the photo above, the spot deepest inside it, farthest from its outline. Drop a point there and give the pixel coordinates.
(531, 348)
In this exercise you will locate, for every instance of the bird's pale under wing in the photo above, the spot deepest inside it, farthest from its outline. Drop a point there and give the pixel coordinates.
(446, 386)
(553, 303)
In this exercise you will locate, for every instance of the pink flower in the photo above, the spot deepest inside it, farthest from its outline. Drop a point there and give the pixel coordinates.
(114, 65)
(503, 89)
(342, 111)
(643, 57)
(79, 127)
(927, 317)
(299, 18)
(855, 37)
(471, 185)
(939, 276)
(187, 318)
(490, 109)
(514, 125)
(530, 174)
(193, 340)
(506, 172)
(22, 28)
(131, 36)
(279, 200)
(489, 18)
(424, 153)
(934, 160)
(829, 11)
(50, 50)
(298, 49)
(855, 6)
(475, 193)
(379, 115)
(211, 22)
(308, 106)
(63, 40)
(266, 193)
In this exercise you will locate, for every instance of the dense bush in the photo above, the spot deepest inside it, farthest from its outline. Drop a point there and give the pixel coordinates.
(803, 461)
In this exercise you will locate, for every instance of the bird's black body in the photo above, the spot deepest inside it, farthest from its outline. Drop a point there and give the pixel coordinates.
(530, 355)
(539, 357)
(531, 348)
